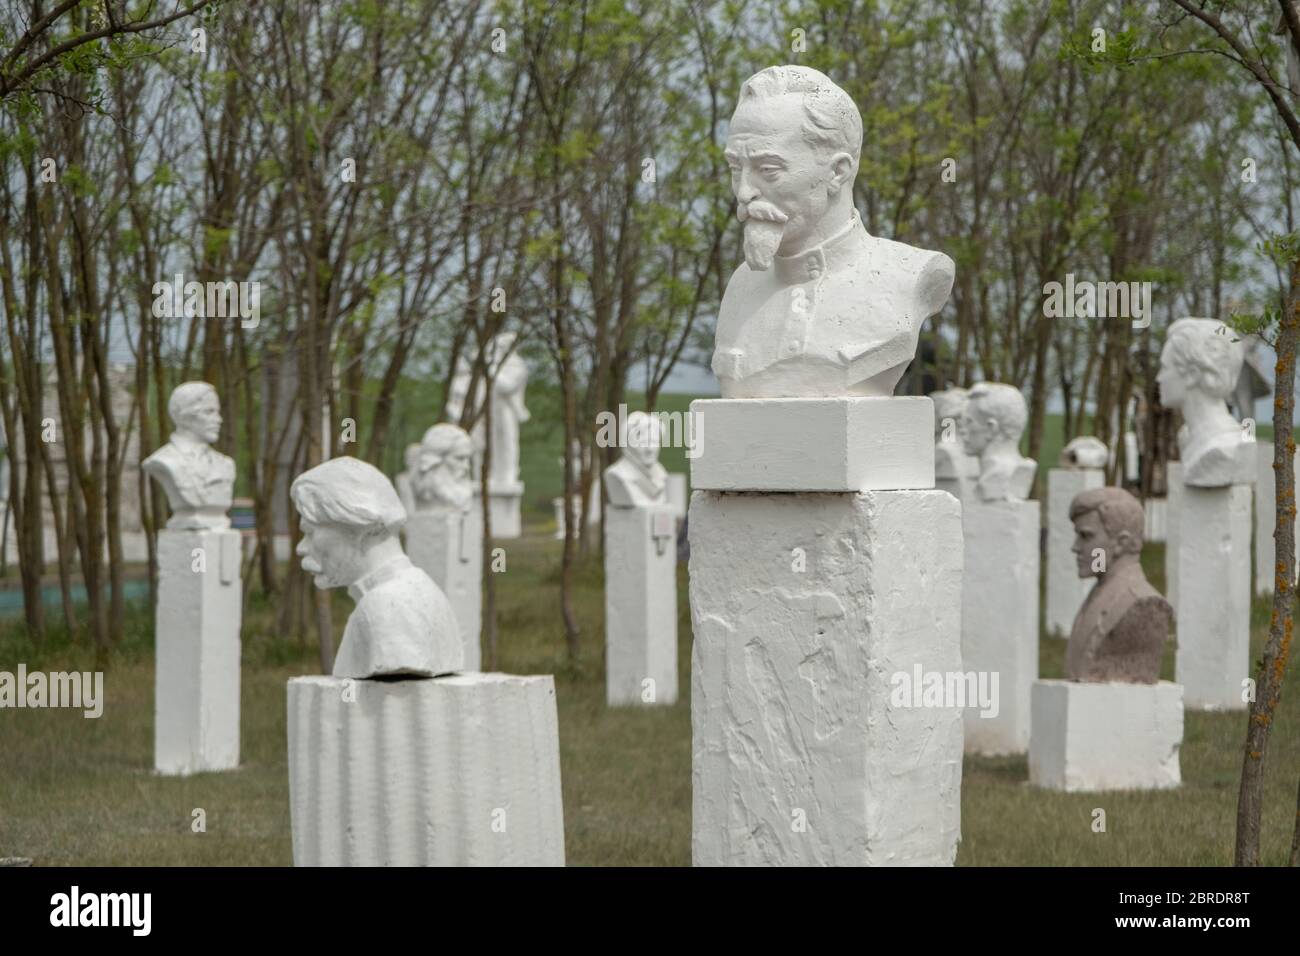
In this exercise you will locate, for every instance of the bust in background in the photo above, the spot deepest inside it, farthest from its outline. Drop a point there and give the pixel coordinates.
(991, 425)
(637, 480)
(1120, 631)
(198, 480)
(440, 476)
(1199, 368)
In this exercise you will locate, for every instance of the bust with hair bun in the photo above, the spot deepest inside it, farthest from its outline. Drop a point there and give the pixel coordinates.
(198, 480)
(403, 624)
(992, 422)
(1199, 368)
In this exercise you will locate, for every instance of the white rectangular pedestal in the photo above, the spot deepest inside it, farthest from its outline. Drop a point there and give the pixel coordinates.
(1106, 736)
(1000, 618)
(447, 771)
(1266, 517)
(1212, 615)
(197, 650)
(640, 606)
(1065, 589)
(813, 444)
(506, 519)
(448, 546)
(805, 607)
(678, 494)
(1173, 498)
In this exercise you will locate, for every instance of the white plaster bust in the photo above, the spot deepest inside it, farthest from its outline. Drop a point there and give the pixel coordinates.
(510, 373)
(1199, 367)
(403, 623)
(991, 425)
(820, 307)
(951, 461)
(198, 480)
(1085, 452)
(637, 480)
(440, 472)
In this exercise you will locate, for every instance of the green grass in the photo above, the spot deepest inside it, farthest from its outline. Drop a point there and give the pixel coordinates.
(78, 791)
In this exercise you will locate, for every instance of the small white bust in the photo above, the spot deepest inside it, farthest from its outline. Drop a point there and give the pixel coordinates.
(197, 479)
(403, 623)
(991, 426)
(951, 462)
(440, 478)
(1085, 452)
(820, 308)
(637, 480)
(1199, 367)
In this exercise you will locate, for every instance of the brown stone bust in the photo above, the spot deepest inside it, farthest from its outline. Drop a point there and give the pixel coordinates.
(1120, 631)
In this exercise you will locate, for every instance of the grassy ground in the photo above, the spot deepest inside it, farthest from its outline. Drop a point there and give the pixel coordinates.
(78, 791)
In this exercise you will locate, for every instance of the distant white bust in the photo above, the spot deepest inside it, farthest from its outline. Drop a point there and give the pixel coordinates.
(403, 623)
(820, 307)
(1199, 367)
(991, 426)
(440, 478)
(952, 464)
(1085, 452)
(637, 480)
(198, 480)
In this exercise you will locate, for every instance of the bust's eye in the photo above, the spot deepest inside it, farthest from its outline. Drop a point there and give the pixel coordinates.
(768, 169)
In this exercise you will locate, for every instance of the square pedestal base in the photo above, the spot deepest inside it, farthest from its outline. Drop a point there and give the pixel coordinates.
(640, 606)
(448, 547)
(806, 609)
(445, 771)
(813, 444)
(197, 651)
(1106, 736)
(507, 521)
(1212, 615)
(999, 639)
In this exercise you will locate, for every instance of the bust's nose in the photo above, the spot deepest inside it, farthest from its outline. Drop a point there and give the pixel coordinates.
(746, 192)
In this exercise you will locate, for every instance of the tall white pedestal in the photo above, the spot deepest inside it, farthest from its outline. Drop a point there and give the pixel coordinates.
(640, 606)
(197, 649)
(1173, 500)
(1266, 517)
(1065, 589)
(1110, 736)
(805, 606)
(1213, 610)
(461, 770)
(999, 629)
(507, 521)
(448, 546)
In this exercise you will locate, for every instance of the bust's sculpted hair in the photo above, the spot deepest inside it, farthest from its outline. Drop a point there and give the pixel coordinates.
(1004, 403)
(646, 426)
(184, 397)
(348, 492)
(948, 404)
(1117, 509)
(1207, 349)
(831, 119)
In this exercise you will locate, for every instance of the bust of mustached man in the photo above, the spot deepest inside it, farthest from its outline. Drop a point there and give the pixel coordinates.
(820, 308)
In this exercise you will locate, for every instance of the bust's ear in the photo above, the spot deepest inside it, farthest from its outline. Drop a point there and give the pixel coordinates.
(843, 171)
(1127, 543)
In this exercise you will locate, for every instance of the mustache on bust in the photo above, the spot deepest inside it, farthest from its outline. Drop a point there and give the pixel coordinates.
(760, 210)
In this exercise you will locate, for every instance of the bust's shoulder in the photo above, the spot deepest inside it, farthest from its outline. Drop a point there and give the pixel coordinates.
(930, 273)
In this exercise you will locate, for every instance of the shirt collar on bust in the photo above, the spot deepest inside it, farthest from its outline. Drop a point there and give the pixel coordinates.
(833, 254)
(385, 572)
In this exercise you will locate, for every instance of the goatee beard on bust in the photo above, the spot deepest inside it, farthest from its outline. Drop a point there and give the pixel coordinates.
(762, 239)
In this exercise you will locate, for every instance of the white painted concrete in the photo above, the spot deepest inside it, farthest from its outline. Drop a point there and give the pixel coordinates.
(640, 606)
